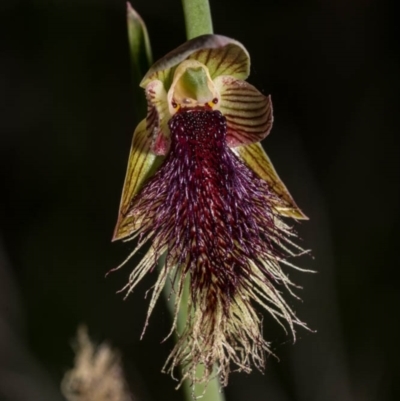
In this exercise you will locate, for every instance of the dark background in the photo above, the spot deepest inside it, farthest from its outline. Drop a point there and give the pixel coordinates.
(67, 116)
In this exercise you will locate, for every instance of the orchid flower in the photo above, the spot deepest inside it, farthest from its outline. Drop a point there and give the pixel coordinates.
(203, 197)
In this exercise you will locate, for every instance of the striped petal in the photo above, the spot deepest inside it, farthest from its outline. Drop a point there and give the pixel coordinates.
(255, 157)
(140, 164)
(247, 111)
(232, 60)
(219, 53)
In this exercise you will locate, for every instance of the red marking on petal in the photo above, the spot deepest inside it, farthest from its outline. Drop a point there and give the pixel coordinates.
(161, 144)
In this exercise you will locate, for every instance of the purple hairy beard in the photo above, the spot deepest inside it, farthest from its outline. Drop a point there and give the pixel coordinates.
(217, 223)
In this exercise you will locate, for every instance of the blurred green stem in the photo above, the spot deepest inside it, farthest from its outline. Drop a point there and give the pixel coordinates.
(197, 18)
(213, 390)
(141, 57)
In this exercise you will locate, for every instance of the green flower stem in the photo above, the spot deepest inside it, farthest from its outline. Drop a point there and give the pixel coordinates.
(198, 22)
(197, 18)
(213, 390)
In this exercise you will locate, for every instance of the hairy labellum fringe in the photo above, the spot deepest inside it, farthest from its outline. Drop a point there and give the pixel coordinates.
(215, 220)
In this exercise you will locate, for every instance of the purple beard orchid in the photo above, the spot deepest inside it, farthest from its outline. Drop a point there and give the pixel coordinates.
(212, 209)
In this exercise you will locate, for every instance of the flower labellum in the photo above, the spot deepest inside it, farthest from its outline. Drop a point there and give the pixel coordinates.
(212, 209)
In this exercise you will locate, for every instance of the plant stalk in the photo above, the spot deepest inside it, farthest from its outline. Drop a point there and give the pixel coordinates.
(198, 22)
(213, 391)
(197, 18)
